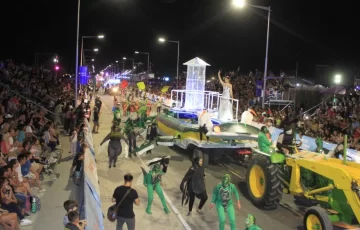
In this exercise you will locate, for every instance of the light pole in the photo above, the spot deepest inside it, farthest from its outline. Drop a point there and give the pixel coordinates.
(162, 40)
(242, 3)
(82, 45)
(133, 61)
(148, 55)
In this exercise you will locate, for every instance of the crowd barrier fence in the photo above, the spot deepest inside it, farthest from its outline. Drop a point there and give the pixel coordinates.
(92, 201)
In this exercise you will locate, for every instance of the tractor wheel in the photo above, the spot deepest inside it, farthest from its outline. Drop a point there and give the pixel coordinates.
(264, 182)
(316, 218)
(200, 153)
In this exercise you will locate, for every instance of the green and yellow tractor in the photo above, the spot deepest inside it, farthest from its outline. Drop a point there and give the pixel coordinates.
(331, 186)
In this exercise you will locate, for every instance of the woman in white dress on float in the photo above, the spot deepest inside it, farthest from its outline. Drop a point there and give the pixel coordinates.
(226, 107)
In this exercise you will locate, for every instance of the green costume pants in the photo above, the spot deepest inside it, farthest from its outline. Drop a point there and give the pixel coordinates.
(159, 191)
(222, 217)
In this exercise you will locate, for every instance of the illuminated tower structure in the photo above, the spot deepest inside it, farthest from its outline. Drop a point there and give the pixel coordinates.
(195, 84)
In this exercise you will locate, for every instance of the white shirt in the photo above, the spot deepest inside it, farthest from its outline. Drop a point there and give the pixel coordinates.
(205, 119)
(18, 172)
(247, 117)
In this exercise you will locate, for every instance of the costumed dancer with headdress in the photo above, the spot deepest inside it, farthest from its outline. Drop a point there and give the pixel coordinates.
(222, 199)
(152, 180)
(114, 148)
(226, 106)
(193, 185)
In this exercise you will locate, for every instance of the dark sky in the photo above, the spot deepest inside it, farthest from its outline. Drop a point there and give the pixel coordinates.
(307, 31)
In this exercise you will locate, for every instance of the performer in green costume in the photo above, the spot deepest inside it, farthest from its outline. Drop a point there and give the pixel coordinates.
(263, 142)
(117, 115)
(319, 143)
(250, 223)
(222, 199)
(152, 180)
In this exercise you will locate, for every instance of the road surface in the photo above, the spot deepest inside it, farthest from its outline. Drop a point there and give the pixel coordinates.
(287, 216)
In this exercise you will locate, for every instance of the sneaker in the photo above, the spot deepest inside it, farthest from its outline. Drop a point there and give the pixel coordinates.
(200, 212)
(189, 214)
(25, 222)
(42, 190)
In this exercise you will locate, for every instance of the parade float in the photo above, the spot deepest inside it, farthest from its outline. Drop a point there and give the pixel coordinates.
(179, 125)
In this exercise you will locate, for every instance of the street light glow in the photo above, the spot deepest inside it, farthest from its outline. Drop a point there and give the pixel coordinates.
(239, 3)
(92, 59)
(96, 50)
(124, 58)
(161, 39)
(136, 52)
(116, 61)
(55, 60)
(101, 36)
(337, 79)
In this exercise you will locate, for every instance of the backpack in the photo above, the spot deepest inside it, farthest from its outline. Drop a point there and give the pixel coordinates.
(37, 201)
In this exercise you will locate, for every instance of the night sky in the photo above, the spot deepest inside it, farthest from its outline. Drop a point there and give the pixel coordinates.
(228, 38)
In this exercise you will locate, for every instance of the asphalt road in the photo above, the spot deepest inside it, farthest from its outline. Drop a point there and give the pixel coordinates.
(286, 216)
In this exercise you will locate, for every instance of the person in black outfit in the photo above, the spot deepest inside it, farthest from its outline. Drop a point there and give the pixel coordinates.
(193, 185)
(96, 120)
(125, 212)
(151, 133)
(98, 103)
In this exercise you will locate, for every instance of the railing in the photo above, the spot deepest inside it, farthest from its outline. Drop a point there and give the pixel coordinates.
(282, 96)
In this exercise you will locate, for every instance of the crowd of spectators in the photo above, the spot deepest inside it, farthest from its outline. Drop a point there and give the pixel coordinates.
(33, 106)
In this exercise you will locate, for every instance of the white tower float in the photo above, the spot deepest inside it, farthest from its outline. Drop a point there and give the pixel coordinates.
(195, 97)
(195, 84)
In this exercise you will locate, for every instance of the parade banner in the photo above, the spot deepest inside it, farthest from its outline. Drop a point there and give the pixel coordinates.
(259, 86)
(91, 176)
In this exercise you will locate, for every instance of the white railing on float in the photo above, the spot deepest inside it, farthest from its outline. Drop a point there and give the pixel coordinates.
(212, 100)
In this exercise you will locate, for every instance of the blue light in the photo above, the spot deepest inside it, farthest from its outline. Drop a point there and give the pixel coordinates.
(166, 78)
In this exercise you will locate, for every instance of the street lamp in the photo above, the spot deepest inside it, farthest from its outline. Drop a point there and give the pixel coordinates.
(162, 40)
(241, 4)
(96, 49)
(337, 79)
(117, 61)
(81, 51)
(133, 60)
(92, 60)
(148, 55)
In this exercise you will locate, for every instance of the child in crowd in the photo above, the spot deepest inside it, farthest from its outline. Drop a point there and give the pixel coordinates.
(69, 205)
(78, 163)
(74, 221)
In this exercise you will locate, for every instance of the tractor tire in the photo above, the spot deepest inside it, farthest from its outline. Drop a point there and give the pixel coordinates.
(264, 182)
(200, 153)
(317, 218)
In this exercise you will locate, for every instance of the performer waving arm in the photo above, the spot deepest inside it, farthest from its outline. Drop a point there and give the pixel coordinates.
(219, 76)
(105, 139)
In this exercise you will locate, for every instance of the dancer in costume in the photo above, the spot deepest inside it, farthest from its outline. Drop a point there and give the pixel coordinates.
(222, 199)
(250, 223)
(152, 180)
(226, 108)
(264, 142)
(117, 114)
(114, 148)
(193, 185)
